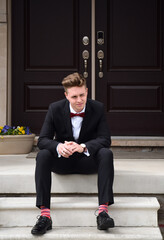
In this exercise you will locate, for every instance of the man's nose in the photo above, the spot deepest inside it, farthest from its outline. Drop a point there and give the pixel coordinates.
(79, 99)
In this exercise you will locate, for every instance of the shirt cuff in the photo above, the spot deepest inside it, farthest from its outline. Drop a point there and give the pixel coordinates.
(59, 155)
(87, 153)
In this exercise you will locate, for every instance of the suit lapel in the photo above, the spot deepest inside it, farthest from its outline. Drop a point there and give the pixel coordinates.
(85, 122)
(67, 120)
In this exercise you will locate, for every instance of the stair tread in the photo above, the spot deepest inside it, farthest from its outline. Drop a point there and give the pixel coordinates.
(80, 211)
(138, 141)
(80, 202)
(140, 175)
(12, 164)
(84, 233)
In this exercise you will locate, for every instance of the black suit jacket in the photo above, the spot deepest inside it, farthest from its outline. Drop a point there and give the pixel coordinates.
(94, 131)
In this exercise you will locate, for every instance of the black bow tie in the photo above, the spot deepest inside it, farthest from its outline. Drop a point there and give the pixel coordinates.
(77, 114)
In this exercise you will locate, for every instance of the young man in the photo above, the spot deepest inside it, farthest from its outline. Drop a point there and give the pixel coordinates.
(81, 145)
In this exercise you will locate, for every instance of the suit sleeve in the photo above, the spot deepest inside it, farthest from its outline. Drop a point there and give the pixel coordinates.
(103, 138)
(46, 139)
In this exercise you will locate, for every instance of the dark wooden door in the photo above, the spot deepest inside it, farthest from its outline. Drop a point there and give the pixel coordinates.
(132, 86)
(47, 46)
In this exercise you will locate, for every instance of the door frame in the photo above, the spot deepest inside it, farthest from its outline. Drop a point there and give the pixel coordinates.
(93, 49)
(9, 64)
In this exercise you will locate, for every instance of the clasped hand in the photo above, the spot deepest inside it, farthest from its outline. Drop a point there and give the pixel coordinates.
(66, 149)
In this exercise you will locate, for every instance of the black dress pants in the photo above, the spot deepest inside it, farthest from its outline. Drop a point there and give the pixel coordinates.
(101, 163)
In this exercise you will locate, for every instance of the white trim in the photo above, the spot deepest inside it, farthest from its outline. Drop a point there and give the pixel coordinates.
(3, 63)
(9, 59)
(93, 51)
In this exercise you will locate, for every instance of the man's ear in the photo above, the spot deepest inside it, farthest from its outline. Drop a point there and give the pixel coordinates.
(66, 95)
(87, 91)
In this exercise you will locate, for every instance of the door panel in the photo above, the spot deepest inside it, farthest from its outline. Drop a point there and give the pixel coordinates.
(51, 32)
(133, 34)
(133, 82)
(47, 46)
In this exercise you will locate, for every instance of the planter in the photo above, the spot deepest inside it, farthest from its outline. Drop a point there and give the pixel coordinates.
(16, 144)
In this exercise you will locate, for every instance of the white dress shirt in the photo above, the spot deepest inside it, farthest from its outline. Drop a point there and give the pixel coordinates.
(76, 127)
(76, 123)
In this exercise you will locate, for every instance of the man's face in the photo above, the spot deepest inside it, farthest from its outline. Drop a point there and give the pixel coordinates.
(77, 96)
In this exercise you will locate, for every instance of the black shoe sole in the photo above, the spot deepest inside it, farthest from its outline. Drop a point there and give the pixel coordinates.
(41, 233)
(105, 226)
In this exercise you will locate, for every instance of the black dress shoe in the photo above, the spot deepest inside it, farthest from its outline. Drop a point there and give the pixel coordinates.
(42, 225)
(104, 221)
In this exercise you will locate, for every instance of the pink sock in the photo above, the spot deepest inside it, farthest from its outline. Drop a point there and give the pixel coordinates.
(103, 207)
(45, 212)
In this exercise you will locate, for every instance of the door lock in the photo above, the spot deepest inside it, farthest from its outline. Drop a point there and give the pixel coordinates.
(85, 55)
(100, 56)
(100, 37)
(85, 40)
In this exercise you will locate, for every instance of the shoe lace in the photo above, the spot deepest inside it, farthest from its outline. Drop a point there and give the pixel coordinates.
(41, 221)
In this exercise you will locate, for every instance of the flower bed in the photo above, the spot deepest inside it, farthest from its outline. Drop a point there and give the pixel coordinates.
(7, 130)
(16, 140)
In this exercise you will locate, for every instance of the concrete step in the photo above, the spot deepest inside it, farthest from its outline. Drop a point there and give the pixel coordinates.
(131, 141)
(131, 176)
(137, 141)
(80, 211)
(84, 233)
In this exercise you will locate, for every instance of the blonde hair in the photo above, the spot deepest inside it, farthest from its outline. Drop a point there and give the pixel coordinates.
(74, 80)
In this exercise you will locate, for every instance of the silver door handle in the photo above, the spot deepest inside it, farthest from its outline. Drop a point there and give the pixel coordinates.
(100, 56)
(85, 55)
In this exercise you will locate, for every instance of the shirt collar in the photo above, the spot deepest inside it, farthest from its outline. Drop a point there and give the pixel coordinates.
(73, 111)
